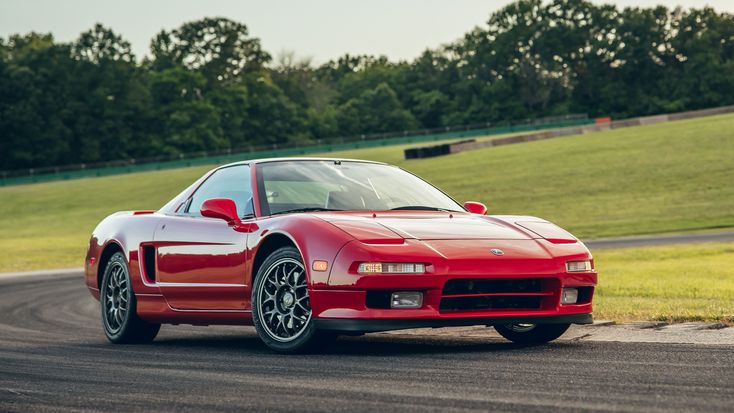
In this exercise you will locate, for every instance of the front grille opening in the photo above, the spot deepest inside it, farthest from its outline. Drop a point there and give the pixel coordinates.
(585, 294)
(471, 294)
(378, 299)
(491, 303)
(471, 286)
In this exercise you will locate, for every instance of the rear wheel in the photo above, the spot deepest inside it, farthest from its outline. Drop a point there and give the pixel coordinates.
(119, 307)
(281, 306)
(531, 333)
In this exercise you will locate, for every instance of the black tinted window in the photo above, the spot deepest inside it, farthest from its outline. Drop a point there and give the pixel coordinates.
(232, 182)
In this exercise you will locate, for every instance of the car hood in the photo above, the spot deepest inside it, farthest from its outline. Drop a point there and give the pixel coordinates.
(424, 226)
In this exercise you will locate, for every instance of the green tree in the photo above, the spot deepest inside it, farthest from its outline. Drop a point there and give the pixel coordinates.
(272, 118)
(109, 99)
(101, 44)
(375, 110)
(34, 79)
(221, 49)
(186, 120)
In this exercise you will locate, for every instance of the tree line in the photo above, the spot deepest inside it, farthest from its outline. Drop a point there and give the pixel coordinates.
(209, 85)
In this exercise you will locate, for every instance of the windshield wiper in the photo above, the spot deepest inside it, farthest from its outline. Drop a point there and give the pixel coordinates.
(312, 209)
(420, 208)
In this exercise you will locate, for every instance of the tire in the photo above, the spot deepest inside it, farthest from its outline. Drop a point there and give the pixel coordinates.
(120, 319)
(531, 333)
(281, 310)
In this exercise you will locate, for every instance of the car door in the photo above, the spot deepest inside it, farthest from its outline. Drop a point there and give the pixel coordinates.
(201, 261)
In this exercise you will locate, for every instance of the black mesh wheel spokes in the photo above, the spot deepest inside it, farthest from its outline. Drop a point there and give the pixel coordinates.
(116, 298)
(284, 308)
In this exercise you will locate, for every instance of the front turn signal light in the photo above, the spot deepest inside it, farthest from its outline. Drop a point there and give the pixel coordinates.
(391, 268)
(578, 266)
(320, 265)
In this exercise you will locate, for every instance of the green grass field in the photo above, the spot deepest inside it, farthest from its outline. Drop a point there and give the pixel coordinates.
(660, 178)
(672, 283)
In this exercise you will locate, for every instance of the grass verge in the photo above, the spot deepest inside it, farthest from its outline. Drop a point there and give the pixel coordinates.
(672, 283)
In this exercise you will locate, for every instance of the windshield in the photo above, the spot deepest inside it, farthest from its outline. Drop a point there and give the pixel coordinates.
(348, 186)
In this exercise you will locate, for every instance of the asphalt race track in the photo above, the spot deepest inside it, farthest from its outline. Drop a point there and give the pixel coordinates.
(660, 239)
(53, 356)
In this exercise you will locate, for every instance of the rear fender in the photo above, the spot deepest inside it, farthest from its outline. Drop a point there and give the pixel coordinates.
(125, 231)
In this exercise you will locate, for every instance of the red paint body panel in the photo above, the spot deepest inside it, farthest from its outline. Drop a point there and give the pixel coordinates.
(201, 263)
(204, 267)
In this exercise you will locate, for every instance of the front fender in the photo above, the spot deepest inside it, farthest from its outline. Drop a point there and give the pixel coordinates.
(314, 238)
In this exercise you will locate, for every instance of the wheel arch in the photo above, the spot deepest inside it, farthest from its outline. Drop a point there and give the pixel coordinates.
(312, 236)
(270, 244)
(109, 250)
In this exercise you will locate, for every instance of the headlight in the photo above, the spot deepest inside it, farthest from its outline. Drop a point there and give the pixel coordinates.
(391, 268)
(578, 266)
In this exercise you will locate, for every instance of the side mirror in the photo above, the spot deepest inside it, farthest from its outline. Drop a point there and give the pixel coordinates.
(221, 208)
(475, 207)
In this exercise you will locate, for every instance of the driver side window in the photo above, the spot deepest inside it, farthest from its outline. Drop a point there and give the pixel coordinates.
(232, 182)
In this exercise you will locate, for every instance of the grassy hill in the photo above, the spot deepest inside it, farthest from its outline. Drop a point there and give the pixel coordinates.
(661, 178)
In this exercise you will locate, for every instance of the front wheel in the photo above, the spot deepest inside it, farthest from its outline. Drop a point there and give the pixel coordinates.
(531, 333)
(281, 309)
(119, 308)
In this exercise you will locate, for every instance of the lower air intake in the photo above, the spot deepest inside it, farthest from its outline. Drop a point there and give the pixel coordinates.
(491, 303)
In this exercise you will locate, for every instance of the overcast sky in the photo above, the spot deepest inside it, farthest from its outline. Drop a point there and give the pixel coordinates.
(320, 29)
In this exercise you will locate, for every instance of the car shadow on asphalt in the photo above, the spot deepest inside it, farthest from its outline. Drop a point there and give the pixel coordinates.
(367, 345)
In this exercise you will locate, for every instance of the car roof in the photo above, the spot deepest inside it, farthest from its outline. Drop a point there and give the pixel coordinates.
(297, 159)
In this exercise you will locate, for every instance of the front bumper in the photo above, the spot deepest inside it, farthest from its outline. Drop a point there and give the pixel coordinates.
(374, 325)
(463, 285)
(346, 310)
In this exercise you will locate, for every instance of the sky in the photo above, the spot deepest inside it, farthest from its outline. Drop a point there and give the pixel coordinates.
(316, 29)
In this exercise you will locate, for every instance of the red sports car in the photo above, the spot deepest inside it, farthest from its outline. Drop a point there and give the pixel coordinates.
(306, 249)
